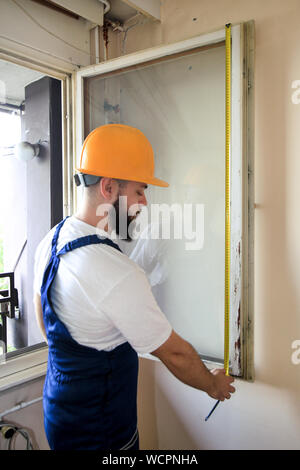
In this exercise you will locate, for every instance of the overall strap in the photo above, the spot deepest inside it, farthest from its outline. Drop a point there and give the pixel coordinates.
(79, 242)
(87, 240)
(56, 234)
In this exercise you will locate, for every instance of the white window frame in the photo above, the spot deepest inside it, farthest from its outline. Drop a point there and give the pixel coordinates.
(31, 364)
(241, 335)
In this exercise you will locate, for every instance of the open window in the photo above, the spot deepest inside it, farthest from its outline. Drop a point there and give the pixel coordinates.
(175, 94)
(32, 196)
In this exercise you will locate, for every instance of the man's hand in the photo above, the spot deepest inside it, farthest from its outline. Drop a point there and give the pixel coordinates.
(221, 387)
(184, 362)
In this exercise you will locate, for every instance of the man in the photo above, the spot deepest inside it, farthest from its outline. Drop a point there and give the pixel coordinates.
(96, 310)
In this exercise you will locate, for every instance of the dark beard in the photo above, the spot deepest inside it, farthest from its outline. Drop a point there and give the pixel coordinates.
(126, 220)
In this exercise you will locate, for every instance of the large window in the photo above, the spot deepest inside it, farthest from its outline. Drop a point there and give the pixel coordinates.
(176, 95)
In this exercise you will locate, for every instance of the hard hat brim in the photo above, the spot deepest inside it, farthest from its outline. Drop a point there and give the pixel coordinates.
(157, 182)
(153, 181)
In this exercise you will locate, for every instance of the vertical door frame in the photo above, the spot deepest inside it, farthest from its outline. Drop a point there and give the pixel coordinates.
(32, 363)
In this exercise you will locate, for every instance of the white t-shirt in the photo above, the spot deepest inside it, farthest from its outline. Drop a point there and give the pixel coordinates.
(103, 297)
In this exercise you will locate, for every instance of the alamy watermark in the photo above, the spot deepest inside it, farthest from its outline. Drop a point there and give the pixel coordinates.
(175, 221)
(296, 93)
(295, 357)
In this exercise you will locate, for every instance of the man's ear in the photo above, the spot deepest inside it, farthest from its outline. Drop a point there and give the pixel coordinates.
(108, 188)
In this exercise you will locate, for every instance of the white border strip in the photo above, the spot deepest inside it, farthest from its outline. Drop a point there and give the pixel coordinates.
(236, 202)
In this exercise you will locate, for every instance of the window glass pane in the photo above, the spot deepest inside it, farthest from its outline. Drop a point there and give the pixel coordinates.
(179, 105)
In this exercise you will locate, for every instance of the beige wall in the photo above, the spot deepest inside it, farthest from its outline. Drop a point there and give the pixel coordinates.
(264, 414)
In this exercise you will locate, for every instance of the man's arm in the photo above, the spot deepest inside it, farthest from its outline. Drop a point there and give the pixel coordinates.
(183, 361)
(39, 314)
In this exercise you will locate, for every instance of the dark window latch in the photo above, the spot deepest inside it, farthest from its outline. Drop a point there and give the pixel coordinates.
(9, 300)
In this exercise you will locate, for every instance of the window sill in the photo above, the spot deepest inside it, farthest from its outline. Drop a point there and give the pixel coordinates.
(210, 363)
(30, 366)
(23, 368)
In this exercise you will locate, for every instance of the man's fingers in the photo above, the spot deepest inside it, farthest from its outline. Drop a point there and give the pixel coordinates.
(223, 384)
(218, 371)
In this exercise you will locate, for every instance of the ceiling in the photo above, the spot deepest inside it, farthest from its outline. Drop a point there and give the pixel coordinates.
(13, 79)
(120, 11)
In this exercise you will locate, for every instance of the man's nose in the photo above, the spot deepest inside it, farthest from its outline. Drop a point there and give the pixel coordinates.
(144, 200)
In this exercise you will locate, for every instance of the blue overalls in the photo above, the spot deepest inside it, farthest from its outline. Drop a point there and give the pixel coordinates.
(89, 395)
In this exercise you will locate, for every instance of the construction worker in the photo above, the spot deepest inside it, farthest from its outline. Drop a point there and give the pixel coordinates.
(96, 310)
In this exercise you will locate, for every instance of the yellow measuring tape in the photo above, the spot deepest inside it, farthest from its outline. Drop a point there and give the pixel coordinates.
(227, 200)
(227, 195)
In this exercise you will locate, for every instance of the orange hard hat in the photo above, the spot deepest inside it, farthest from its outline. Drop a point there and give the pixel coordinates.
(121, 152)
